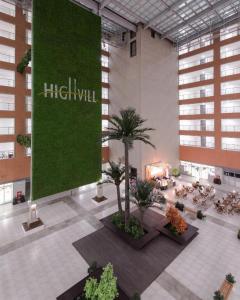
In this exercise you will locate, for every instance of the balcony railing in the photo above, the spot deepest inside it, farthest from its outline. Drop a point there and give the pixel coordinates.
(233, 128)
(7, 82)
(231, 147)
(7, 10)
(7, 106)
(230, 33)
(195, 45)
(7, 130)
(195, 63)
(197, 144)
(7, 57)
(7, 34)
(232, 90)
(7, 154)
(196, 111)
(232, 71)
(231, 109)
(198, 78)
(230, 53)
(198, 94)
(197, 127)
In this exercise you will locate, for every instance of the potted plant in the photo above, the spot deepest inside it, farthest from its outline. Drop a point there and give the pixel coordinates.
(127, 128)
(105, 289)
(200, 215)
(115, 174)
(227, 285)
(143, 197)
(175, 172)
(218, 295)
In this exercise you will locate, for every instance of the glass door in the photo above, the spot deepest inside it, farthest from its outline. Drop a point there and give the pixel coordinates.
(6, 193)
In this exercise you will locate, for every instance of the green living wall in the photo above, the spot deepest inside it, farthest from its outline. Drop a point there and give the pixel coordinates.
(66, 127)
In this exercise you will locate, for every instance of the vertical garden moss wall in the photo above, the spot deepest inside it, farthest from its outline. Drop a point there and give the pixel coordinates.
(66, 68)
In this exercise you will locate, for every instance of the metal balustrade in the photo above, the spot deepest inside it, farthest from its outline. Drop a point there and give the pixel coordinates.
(232, 71)
(230, 53)
(231, 109)
(8, 154)
(234, 128)
(200, 77)
(232, 90)
(7, 34)
(7, 82)
(197, 127)
(7, 10)
(197, 144)
(198, 94)
(7, 57)
(196, 111)
(7, 106)
(231, 147)
(7, 130)
(195, 63)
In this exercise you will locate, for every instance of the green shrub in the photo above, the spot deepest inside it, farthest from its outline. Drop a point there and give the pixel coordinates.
(230, 278)
(200, 215)
(24, 140)
(179, 206)
(218, 296)
(24, 62)
(133, 228)
(105, 289)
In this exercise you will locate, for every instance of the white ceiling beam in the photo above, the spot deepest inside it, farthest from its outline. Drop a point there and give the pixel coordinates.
(107, 13)
(104, 3)
(154, 19)
(203, 13)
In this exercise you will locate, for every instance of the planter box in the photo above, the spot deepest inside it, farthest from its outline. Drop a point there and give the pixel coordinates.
(226, 289)
(182, 239)
(151, 234)
(77, 290)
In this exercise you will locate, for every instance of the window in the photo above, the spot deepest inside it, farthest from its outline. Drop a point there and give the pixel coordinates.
(105, 109)
(29, 81)
(7, 102)
(6, 150)
(28, 126)
(104, 93)
(7, 30)
(105, 61)
(7, 78)
(133, 48)
(29, 37)
(105, 46)
(6, 193)
(7, 8)
(7, 126)
(7, 54)
(104, 125)
(105, 77)
(28, 15)
(28, 151)
(28, 100)
(105, 144)
(132, 34)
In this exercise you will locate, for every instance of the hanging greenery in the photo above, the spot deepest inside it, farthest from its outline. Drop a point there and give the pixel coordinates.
(24, 62)
(24, 140)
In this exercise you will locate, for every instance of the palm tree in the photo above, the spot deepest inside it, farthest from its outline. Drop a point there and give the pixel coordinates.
(115, 175)
(143, 197)
(127, 128)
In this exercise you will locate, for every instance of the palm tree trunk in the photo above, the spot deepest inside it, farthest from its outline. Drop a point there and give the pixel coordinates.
(119, 199)
(127, 201)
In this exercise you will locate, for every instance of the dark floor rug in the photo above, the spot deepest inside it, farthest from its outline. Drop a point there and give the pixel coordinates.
(135, 269)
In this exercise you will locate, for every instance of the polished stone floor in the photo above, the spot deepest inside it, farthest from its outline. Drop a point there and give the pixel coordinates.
(42, 264)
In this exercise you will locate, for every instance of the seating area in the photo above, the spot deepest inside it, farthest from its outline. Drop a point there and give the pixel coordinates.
(230, 204)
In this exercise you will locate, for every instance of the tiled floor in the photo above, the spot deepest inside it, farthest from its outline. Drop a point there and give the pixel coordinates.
(42, 264)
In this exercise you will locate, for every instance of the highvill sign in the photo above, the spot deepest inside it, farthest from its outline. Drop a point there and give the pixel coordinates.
(69, 92)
